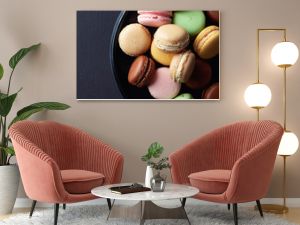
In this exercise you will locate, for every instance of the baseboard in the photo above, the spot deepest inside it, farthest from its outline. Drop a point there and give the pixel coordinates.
(291, 202)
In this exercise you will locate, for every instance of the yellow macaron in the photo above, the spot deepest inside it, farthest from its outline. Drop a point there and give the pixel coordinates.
(161, 56)
(206, 44)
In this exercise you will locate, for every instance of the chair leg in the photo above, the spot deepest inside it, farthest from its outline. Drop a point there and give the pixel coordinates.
(108, 203)
(64, 206)
(32, 208)
(259, 208)
(228, 206)
(183, 202)
(235, 213)
(56, 209)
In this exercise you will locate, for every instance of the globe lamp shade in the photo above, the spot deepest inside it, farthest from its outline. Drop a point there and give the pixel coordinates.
(289, 144)
(284, 54)
(257, 95)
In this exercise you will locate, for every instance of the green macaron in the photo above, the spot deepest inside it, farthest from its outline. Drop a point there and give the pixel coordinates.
(192, 21)
(184, 96)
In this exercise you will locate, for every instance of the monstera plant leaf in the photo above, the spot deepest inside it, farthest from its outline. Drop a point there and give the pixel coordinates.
(154, 150)
(16, 58)
(27, 111)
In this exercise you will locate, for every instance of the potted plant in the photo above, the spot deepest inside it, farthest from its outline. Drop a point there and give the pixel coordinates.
(156, 182)
(9, 173)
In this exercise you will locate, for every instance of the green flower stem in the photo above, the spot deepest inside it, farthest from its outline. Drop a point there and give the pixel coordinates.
(1, 155)
(0, 124)
(10, 77)
(3, 141)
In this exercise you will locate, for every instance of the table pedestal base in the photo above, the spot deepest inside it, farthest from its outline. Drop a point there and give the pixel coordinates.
(147, 210)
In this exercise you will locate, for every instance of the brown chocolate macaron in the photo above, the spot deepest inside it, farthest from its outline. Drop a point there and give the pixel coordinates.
(214, 16)
(212, 92)
(201, 75)
(141, 71)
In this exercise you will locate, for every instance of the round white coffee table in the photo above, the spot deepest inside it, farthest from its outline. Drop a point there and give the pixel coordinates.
(145, 208)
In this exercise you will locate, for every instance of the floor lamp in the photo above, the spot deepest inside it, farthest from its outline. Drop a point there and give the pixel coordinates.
(284, 54)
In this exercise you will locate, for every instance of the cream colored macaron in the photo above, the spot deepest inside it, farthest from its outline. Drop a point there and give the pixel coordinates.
(134, 39)
(171, 38)
(206, 44)
(182, 66)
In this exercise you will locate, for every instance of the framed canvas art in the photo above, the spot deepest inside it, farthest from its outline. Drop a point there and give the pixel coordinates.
(148, 55)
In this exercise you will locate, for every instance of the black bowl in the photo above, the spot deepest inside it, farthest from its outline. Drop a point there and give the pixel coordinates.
(120, 62)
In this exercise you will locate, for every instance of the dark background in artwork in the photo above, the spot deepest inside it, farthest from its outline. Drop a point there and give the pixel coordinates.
(95, 79)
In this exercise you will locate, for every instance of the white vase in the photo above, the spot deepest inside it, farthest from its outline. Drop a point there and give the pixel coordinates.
(9, 183)
(148, 176)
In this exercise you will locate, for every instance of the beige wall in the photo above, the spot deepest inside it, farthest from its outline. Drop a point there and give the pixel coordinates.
(50, 74)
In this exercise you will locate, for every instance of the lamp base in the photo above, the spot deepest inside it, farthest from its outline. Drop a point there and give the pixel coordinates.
(276, 209)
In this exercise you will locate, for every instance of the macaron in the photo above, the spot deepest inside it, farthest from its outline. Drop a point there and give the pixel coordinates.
(171, 38)
(141, 71)
(201, 75)
(214, 16)
(192, 21)
(182, 66)
(162, 85)
(206, 44)
(156, 12)
(134, 39)
(212, 92)
(154, 18)
(184, 96)
(161, 56)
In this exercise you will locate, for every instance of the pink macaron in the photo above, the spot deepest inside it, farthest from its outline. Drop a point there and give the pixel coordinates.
(162, 85)
(154, 18)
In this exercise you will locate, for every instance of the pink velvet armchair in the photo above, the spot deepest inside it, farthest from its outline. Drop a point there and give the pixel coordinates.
(231, 165)
(60, 164)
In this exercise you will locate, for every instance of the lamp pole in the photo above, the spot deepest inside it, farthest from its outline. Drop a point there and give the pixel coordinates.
(284, 182)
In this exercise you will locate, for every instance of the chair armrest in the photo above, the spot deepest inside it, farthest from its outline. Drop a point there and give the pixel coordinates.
(193, 157)
(40, 174)
(97, 156)
(251, 174)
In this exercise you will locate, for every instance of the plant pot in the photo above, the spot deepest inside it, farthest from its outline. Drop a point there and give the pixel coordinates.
(9, 183)
(158, 183)
(148, 176)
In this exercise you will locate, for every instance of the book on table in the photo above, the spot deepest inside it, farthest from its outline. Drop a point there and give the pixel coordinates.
(129, 189)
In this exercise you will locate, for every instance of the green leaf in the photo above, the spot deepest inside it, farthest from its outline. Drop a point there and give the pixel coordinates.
(44, 105)
(16, 58)
(2, 95)
(25, 115)
(6, 103)
(145, 157)
(155, 150)
(9, 150)
(27, 111)
(1, 71)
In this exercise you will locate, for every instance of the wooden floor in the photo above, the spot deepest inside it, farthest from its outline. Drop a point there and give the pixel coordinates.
(293, 215)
